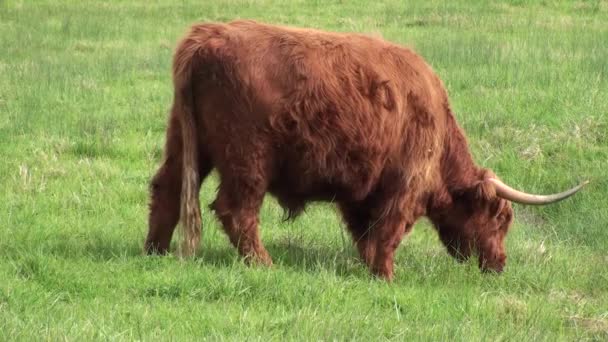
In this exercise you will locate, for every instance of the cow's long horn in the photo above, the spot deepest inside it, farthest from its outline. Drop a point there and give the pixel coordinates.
(507, 192)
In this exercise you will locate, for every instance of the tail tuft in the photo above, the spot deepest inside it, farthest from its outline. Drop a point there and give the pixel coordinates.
(190, 212)
(190, 215)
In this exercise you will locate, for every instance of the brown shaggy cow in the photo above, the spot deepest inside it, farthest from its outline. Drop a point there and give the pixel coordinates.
(307, 115)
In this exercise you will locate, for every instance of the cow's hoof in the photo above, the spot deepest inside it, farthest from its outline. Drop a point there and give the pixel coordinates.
(259, 259)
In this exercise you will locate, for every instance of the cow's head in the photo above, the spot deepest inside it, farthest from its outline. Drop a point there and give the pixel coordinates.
(477, 219)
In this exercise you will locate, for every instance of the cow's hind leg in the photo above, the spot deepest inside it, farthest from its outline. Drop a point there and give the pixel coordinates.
(165, 189)
(237, 206)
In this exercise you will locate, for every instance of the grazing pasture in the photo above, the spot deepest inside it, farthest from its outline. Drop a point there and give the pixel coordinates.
(85, 87)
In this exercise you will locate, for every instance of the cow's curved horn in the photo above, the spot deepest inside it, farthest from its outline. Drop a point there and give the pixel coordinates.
(507, 192)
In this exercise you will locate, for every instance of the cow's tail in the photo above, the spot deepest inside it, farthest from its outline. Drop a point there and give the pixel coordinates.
(190, 214)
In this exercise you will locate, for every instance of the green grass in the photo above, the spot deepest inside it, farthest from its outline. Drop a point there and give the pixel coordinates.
(84, 91)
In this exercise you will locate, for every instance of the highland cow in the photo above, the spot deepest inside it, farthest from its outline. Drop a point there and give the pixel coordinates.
(307, 115)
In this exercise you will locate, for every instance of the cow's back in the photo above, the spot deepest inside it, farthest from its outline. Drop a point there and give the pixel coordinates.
(336, 109)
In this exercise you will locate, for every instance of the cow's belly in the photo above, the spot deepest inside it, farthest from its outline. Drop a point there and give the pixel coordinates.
(312, 175)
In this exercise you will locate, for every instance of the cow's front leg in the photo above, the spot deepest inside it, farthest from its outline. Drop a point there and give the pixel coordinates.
(357, 218)
(390, 212)
(386, 237)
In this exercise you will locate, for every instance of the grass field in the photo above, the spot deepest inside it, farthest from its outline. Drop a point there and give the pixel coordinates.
(84, 91)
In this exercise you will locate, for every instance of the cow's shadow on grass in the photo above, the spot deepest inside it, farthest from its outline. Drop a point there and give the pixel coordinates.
(314, 257)
(300, 257)
(341, 261)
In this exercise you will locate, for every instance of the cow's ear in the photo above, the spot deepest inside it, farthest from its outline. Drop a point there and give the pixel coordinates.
(484, 190)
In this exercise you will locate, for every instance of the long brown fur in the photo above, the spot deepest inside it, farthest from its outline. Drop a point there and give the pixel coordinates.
(307, 115)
